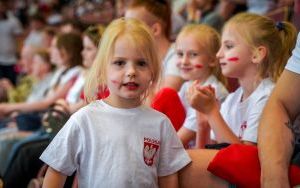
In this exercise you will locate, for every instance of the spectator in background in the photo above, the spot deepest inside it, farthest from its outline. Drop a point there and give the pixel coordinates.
(157, 15)
(35, 35)
(10, 29)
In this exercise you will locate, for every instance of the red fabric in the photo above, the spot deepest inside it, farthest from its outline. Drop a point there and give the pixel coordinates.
(72, 81)
(168, 102)
(103, 94)
(100, 95)
(239, 164)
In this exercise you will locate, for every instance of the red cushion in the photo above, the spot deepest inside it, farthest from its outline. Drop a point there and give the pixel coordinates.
(239, 164)
(168, 102)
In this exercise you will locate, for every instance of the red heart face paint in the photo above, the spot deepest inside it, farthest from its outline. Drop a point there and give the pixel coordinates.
(233, 59)
(199, 66)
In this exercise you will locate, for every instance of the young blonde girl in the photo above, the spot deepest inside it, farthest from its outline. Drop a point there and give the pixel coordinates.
(254, 49)
(196, 48)
(118, 141)
(249, 54)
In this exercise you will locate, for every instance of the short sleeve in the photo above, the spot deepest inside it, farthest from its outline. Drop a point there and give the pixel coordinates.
(172, 156)
(293, 63)
(63, 153)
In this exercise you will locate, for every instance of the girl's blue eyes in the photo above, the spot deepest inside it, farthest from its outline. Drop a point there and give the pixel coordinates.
(179, 54)
(190, 54)
(123, 62)
(142, 63)
(119, 62)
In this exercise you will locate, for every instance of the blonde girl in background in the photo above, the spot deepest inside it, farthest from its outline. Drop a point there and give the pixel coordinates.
(196, 48)
(248, 52)
(256, 62)
(118, 141)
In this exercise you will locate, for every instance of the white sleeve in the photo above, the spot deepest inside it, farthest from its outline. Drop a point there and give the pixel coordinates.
(190, 121)
(293, 63)
(170, 65)
(63, 153)
(172, 155)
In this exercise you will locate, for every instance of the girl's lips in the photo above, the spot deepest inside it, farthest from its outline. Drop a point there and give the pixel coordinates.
(223, 64)
(131, 85)
(185, 69)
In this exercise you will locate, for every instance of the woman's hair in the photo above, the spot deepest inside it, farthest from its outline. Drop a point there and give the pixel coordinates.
(94, 33)
(137, 34)
(279, 39)
(210, 40)
(161, 9)
(72, 44)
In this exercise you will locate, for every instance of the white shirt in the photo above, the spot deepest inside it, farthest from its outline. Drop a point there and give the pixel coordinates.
(73, 95)
(9, 29)
(61, 77)
(293, 63)
(112, 147)
(243, 117)
(191, 119)
(169, 63)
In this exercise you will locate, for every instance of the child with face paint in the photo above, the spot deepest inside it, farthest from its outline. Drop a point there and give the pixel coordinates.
(249, 53)
(118, 141)
(196, 48)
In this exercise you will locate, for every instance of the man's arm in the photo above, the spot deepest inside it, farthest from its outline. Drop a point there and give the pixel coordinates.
(170, 181)
(275, 137)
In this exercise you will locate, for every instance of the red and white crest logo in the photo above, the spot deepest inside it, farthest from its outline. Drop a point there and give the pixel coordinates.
(151, 146)
(242, 129)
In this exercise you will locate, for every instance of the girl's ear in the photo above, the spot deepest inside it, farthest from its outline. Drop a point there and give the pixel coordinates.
(259, 54)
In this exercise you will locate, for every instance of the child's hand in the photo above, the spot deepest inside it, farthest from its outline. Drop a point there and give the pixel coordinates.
(202, 98)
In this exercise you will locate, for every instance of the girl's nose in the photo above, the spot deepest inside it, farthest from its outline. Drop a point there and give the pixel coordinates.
(220, 53)
(185, 59)
(131, 70)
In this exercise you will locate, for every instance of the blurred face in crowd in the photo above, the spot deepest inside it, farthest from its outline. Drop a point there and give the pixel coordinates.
(89, 51)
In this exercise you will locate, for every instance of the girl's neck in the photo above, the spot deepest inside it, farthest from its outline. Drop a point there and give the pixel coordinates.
(249, 84)
(122, 103)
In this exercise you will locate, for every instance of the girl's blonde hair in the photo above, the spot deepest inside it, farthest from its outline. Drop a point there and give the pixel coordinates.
(137, 34)
(210, 40)
(279, 39)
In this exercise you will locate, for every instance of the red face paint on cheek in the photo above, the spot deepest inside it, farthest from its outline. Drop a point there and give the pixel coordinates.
(234, 59)
(199, 66)
(115, 82)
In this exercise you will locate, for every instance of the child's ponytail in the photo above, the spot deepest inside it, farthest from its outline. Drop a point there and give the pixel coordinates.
(287, 34)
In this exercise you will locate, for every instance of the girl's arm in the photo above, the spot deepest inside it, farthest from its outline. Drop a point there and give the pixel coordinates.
(203, 131)
(36, 106)
(203, 100)
(54, 179)
(186, 135)
(221, 130)
(170, 181)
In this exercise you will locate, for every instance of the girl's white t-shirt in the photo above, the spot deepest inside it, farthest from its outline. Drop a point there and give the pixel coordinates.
(114, 147)
(243, 117)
